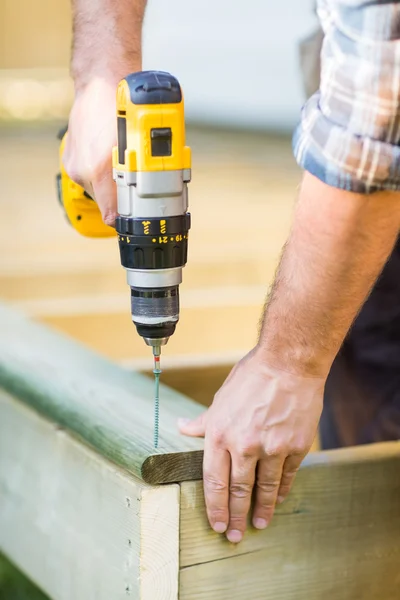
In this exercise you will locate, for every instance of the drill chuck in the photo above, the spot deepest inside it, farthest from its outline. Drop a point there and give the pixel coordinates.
(155, 311)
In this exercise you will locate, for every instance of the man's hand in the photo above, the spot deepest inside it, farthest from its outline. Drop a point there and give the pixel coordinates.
(107, 40)
(257, 431)
(263, 420)
(91, 136)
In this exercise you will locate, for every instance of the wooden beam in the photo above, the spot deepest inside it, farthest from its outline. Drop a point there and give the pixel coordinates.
(77, 525)
(337, 536)
(106, 406)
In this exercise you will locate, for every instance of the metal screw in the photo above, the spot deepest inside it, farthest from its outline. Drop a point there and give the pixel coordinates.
(157, 372)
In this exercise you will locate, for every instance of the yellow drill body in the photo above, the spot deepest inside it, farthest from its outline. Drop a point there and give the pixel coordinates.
(140, 120)
(151, 167)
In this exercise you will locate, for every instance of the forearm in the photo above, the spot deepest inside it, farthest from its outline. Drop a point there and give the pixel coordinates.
(107, 39)
(338, 245)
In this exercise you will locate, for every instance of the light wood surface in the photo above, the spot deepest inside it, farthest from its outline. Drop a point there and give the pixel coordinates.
(337, 536)
(241, 199)
(77, 525)
(159, 543)
(108, 407)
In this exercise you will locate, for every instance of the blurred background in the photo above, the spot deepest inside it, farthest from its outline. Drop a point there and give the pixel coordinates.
(238, 64)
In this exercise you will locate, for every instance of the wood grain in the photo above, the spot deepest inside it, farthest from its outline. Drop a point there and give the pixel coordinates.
(77, 525)
(106, 406)
(337, 536)
(159, 543)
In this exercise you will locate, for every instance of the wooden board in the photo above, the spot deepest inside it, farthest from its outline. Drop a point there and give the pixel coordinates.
(337, 536)
(108, 407)
(77, 525)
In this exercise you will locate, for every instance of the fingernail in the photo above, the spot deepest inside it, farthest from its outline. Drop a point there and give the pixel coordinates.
(220, 527)
(183, 422)
(280, 499)
(234, 536)
(260, 523)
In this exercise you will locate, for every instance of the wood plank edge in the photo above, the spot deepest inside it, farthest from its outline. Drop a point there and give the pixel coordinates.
(156, 469)
(173, 468)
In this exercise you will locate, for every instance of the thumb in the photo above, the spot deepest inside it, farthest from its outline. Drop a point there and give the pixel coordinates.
(194, 427)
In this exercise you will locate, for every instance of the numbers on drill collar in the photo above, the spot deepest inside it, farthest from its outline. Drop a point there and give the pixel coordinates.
(161, 239)
(165, 239)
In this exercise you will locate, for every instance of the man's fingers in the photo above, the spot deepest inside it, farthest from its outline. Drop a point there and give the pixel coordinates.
(105, 194)
(216, 469)
(240, 490)
(290, 468)
(269, 474)
(195, 427)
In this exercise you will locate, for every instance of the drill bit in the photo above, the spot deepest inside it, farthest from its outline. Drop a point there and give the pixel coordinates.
(157, 372)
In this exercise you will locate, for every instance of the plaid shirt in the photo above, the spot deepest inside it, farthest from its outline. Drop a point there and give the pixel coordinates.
(349, 133)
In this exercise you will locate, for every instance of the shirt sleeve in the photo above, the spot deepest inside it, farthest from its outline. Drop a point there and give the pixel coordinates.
(349, 132)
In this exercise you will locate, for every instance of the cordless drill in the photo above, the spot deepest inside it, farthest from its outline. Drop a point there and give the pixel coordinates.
(151, 168)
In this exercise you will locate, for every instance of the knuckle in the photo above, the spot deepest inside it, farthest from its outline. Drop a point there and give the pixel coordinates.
(274, 451)
(299, 450)
(211, 483)
(217, 514)
(268, 487)
(72, 171)
(109, 218)
(237, 522)
(217, 437)
(289, 475)
(248, 448)
(240, 490)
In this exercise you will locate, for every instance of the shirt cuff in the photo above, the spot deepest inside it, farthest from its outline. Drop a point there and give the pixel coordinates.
(342, 159)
